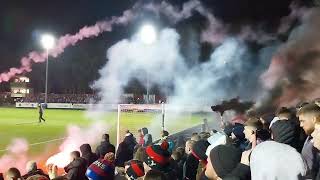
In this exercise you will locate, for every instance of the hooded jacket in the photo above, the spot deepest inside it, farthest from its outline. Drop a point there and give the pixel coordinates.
(125, 150)
(87, 153)
(271, 160)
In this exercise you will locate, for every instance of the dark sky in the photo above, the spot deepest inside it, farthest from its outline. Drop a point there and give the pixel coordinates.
(22, 21)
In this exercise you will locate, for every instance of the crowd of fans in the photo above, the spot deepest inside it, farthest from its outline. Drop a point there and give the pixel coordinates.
(62, 98)
(285, 147)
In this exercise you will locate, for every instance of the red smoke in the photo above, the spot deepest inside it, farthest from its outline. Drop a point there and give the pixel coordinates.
(64, 42)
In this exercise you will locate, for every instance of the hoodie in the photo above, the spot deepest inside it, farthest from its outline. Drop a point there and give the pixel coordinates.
(87, 153)
(271, 160)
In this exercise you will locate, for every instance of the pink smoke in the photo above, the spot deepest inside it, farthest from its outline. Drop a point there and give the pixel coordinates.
(174, 13)
(293, 74)
(16, 156)
(76, 137)
(66, 41)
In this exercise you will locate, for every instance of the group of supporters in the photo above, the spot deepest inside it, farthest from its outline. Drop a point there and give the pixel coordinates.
(284, 147)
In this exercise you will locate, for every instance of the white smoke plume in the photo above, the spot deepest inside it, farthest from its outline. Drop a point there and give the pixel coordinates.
(75, 138)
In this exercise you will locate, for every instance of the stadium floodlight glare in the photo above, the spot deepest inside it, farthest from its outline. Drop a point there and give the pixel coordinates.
(148, 34)
(48, 42)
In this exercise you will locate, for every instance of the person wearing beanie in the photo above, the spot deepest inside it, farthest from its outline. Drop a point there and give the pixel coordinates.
(199, 152)
(271, 160)
(222, 161)
(284, 132)
(238, 137)
(158, 158)
(134, 170)
(102, 169)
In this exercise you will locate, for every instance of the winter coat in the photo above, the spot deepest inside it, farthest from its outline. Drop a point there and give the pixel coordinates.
(271, 160)
(87, 154)
(76, 169)
(104, 148)
(125, 151)
(190, 167)
(311, 156)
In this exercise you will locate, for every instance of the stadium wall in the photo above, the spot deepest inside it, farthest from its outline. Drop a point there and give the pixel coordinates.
(124, 107)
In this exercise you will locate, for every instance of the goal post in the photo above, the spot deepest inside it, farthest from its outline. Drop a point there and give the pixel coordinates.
(139, 108)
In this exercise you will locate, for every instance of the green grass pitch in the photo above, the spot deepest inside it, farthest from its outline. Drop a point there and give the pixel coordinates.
(14, 124)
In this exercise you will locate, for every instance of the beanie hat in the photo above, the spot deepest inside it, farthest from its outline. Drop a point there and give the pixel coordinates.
(158, 156)
(102, 168)
(283, 132)
(224, 158)
(135, 169)
(238, 131)
(199, 150)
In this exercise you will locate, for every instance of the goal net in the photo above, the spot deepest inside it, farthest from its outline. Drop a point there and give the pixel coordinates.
(156, 117)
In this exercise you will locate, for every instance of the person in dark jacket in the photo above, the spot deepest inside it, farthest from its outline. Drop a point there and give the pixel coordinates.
(191, 164)
(105, 147)
(125, 150)
(285, 132)
(32, 170)
(87, 153)
(308, 116)
(76, 169)
(316, 142)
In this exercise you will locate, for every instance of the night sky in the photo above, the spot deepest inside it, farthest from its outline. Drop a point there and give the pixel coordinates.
(23, 21)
